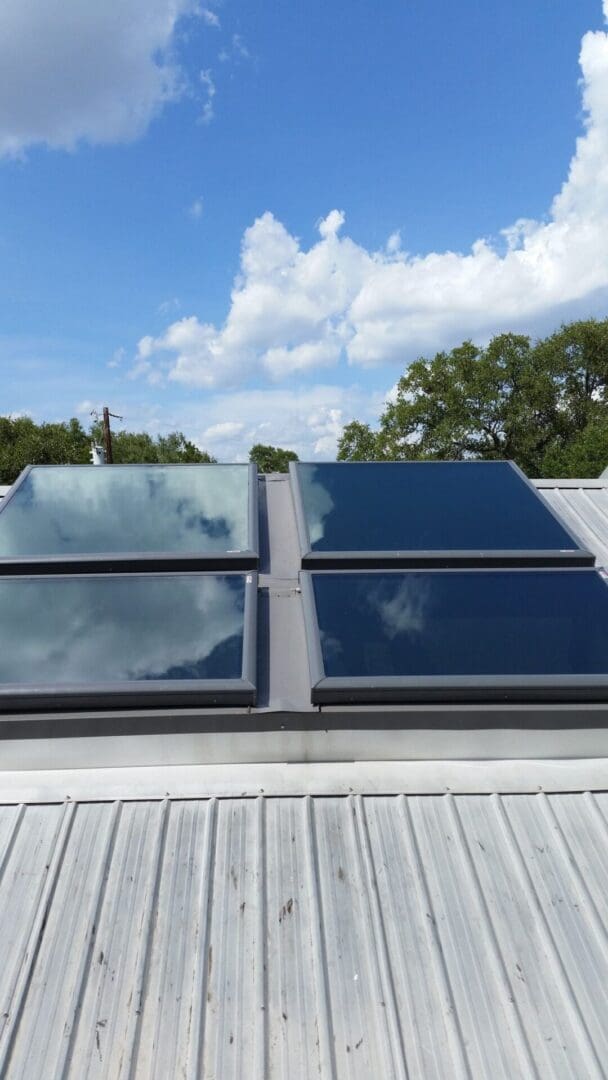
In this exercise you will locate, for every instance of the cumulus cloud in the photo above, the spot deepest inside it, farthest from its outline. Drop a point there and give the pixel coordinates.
(220, 432)
(307, 419)
(99, 72)
(295, 310)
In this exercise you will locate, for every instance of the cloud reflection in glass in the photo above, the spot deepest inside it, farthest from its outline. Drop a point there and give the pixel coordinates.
(67, 510)
(86, 630)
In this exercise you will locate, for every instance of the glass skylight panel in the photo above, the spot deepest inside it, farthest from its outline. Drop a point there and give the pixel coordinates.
(426, 513)
(148, 514)
(99, 641)
(457, 635)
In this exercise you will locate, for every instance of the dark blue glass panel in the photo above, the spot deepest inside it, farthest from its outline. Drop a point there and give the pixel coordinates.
(88, 630)
(488, 622)
(426, 506)
(67, 510)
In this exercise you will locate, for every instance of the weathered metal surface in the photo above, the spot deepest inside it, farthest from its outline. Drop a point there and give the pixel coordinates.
(434, 936)
(583, 505)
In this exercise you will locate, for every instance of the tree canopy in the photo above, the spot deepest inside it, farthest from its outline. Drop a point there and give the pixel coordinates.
(23, 442)
(543, 404)
(271, 458)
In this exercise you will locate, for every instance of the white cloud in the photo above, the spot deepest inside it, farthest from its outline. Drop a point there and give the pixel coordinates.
(226, 430)
(173, 304)
(279, 362)
(117, 357)
(307, 419)
(94, 71)
(210, 18)
(287, 309)
(207, 115)
(237, 50)
(331, 225)
(196, 209)
(294, 310)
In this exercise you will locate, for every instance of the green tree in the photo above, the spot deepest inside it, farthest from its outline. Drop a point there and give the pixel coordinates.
(359, 443)
(271, 458)
(139, 448)
(23, 442)
(542, 404)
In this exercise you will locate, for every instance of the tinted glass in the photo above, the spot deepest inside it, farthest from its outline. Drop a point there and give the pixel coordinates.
(425, 506)
(128, 508)
(491, 622)
(105, 629)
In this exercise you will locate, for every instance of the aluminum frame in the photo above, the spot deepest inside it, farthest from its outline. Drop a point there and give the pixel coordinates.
(157, 693)
(442, 689)
(134, 561)
(451, 558)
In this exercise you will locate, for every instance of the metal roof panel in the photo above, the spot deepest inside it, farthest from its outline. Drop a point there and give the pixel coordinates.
(425, 936)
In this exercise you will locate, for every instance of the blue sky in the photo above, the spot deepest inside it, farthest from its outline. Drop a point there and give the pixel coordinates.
(242, 221)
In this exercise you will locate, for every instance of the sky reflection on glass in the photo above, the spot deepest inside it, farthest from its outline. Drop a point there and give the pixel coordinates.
(111, 629)
(425, 506)
(128, 509)
(462, 623)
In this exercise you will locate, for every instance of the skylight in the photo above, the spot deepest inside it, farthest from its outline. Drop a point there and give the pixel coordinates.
(457, 635)
(105, 640)
(441, 513)
(139, 516)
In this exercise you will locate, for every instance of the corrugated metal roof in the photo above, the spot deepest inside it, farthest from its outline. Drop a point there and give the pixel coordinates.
(433, 936)
(583, 504)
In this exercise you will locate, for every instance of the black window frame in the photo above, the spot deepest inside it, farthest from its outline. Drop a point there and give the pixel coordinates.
(578, 556)
(157, 693)
(132, 562)
(451, 689)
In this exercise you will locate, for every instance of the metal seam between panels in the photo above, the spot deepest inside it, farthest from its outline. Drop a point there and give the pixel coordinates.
(261, 996)
(197, 1006)
(128, 1063)
(327, 1062)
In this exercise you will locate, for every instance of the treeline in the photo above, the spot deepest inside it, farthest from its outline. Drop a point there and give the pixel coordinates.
(23, 442)
(543, 404)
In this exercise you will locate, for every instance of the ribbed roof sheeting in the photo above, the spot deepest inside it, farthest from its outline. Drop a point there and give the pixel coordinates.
(583, 506)
(410, 936)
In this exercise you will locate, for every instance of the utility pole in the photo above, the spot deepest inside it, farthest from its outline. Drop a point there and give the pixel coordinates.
(107, 435)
